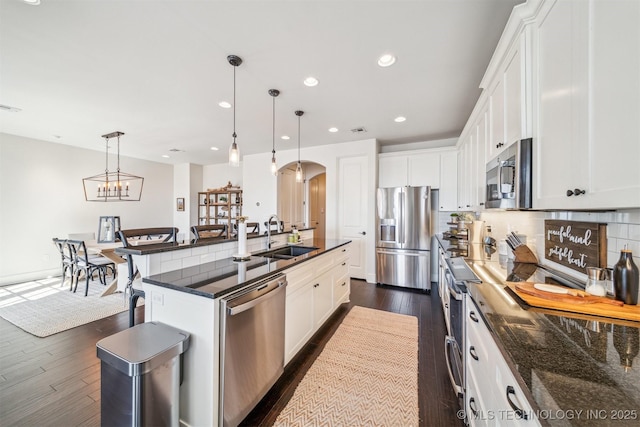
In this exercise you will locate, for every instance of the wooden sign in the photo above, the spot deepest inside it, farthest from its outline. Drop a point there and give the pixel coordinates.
(576, 245)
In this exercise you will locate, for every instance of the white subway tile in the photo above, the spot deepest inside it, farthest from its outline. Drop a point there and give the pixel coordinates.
(182, 253)
(634, 232)
(612, 244)
(190, 261)
(175, 264)
(166, 256)
(199, 250)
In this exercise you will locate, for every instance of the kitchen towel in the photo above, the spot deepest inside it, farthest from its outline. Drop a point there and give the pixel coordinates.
(367, 374)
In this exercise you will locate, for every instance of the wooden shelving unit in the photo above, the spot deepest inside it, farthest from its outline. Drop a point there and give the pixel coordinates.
(220, 207)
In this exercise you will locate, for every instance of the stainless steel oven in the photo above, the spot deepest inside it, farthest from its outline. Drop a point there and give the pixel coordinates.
(509, 177)
(454, 341)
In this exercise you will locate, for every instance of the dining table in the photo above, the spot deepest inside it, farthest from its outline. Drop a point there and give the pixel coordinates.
(107, 250)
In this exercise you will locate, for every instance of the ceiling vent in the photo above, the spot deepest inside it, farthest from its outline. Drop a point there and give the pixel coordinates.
(358, 130)
(176, 150)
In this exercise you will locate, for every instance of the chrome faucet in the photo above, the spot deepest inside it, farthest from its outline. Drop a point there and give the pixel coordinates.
(269, 228)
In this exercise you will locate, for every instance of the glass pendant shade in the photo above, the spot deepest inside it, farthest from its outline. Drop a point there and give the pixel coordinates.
(234, 155)
(274, 166)
(299, 172)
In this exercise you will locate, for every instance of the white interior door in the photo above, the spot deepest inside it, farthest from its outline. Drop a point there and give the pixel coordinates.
(353, 210)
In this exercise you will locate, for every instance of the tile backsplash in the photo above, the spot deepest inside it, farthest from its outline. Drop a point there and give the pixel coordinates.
(623, 230)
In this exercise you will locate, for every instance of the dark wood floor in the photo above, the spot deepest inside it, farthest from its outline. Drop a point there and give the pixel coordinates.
(55, 381)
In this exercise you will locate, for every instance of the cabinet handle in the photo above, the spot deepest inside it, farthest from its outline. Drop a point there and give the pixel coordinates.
(344, 263)
(482, 204)
(473, 316)
(316, 285)
(472, 404)
(472, 352)
(519, 412)
(575, 192)
(343, 284)
(344, 250)
(500, 144)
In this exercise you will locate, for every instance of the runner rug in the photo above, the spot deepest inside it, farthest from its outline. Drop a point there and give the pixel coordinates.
(367, 375)
(44, 307)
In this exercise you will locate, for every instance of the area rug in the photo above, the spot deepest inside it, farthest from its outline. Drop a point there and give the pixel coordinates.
(44, 307)
(367, 375)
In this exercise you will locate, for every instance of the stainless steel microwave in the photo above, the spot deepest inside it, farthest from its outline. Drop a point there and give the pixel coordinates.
(509, 177)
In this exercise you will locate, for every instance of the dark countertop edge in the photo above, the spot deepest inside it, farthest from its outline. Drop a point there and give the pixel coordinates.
(168, 247)
(286, 264)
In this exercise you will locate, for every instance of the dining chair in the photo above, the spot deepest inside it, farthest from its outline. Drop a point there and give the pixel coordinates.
(127, 237)
(82, 262)
(66, 259)
(207, 232)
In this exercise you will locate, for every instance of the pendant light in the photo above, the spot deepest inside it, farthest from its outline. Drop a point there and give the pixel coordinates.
(274, 166)
(299, 165)
(234, 152)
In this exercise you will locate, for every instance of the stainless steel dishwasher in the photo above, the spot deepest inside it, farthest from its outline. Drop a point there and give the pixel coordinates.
(251, 346)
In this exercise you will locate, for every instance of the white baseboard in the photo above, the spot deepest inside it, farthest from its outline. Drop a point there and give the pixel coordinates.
(25, 277)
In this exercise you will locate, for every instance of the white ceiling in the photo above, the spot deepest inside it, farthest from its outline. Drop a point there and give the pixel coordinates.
(156, 70)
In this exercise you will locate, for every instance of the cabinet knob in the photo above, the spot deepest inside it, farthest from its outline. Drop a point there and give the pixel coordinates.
(500, 144)
(473, 317)
(575, 192)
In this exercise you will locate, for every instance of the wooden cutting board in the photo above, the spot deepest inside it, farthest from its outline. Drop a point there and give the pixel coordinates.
(548, 300)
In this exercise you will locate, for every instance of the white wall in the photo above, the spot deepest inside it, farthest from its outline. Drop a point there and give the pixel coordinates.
(260, 187)
(219, 175)
(41, 197)
(187, 182)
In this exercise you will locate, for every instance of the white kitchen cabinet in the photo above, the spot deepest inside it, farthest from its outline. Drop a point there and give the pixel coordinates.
(479, 178)
(448, 197)
(311, 297)
(299, 320)
(497, 396)
(508, 109)
(392, 171)
(322, 298)
(465, 160)
(424, 169)
(587, 105)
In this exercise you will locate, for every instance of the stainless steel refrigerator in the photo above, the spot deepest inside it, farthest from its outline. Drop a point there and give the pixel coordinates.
(403, 239)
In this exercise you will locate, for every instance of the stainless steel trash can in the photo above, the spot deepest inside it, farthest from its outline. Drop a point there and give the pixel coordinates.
(141, 375)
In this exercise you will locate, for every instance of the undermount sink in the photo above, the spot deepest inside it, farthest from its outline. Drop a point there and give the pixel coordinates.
(287, 252)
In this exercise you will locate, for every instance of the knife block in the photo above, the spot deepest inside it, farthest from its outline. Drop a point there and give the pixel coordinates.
(523, 254)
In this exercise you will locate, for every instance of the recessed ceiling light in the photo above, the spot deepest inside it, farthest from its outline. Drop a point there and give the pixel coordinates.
(333, 130)
(214, 148)
(224, 104)
(311, 81)
(285, 137)
(32, 2)
(399, 119)
(166, 156)
(57, 136)
(386, 60)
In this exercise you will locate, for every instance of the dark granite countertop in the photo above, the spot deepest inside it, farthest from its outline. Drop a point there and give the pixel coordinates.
(154, 248)
(218, 278)
(576, 369)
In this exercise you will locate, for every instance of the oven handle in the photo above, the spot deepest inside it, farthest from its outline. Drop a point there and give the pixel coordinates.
(447, 342)
(454, 291)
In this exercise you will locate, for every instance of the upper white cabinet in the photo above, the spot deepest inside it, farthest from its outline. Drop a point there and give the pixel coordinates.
(432, 168)
(587, 104)
(448, 197)
(509, 111)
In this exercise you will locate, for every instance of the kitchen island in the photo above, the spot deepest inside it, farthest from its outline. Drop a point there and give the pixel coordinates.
(572, 369)
(189, 299)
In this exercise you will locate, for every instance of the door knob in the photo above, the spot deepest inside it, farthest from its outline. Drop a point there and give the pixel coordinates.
(364, 233)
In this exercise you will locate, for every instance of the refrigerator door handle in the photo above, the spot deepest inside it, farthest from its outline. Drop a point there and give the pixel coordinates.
(399, 253)
(401, 236)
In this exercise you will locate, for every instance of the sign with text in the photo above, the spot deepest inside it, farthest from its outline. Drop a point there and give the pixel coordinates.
(576, 245)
